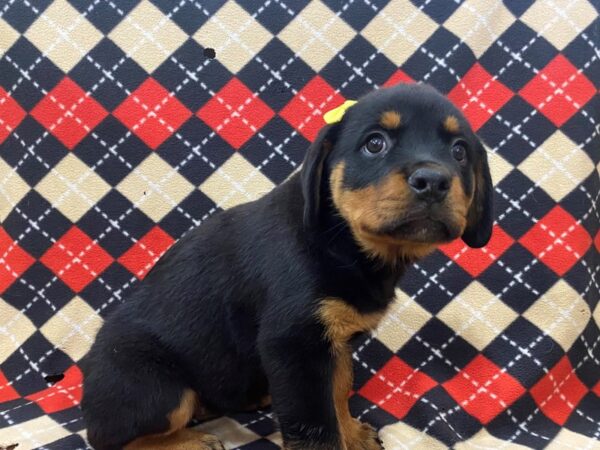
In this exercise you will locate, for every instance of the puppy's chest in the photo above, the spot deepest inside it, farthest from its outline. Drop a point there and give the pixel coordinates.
(342, 320)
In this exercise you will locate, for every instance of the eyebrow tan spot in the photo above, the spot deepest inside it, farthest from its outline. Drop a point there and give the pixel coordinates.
(451, 124)
(390, 120)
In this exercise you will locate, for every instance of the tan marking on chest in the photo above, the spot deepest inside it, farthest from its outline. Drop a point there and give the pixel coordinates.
(342, 320)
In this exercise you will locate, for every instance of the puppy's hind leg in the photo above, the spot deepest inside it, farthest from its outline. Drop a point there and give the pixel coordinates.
(177, 437)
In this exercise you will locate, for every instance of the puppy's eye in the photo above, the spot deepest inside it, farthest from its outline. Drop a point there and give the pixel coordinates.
(375, 144)
(459, 152)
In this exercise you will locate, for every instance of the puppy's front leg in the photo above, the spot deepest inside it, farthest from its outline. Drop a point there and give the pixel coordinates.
(300, 371)
(355, 434)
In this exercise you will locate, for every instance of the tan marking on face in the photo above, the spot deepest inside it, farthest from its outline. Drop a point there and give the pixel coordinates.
(342, 321)
(451, 124)
(458, 203)
(390, 120)
(176, 437)
(369, 209)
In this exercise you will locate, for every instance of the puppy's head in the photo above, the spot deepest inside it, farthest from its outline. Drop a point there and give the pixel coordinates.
(404, 170)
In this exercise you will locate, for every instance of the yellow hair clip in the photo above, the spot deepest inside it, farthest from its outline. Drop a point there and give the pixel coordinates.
(336, 114)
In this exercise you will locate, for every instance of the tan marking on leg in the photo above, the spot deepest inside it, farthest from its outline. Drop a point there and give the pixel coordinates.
(369, 209)
(390, 120)
(177, 437)
(451, 124)
(341, 321)
(180, 416)
(185, 439)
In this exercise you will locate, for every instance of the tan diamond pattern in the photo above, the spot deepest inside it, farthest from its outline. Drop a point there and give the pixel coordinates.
(404, 319)
(499, 167)
(411, 27)
(560, 312)
(62, 34)
(484, 440)
(76, 320)
(33, 433)
(470, 316)
(401, 435)
(316, 35)
(236, 168)
(559, 165)
(15, 329)
(72, 187)
(479, 23)
(569, 439)
(147, 36)
(235, 36)
(8, 36)
(155, 187)
(12, 189)
(546, 18)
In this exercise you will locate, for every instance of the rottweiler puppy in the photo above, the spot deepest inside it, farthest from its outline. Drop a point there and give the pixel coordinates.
(262, 299)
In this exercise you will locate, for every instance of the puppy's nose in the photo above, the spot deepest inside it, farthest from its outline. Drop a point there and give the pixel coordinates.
(429, 184)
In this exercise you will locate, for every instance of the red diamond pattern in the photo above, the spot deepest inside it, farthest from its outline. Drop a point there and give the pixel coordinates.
(402, 387)
(476, 261)
(11, 114)
(76, 259)
(479, 109)
(68, 113)
(140, 258)
(554, 400)
(497, 396)
(152, 113)
(7, 393)
(13, 260)
(64, 394)
(235, 113)
(398, 77)
(597, 241)
(316, 95)
(559, 108)
(561, 256)
(596, 389)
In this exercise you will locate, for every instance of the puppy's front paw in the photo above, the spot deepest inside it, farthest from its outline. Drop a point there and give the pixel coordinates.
(364, 438)
(210, 442)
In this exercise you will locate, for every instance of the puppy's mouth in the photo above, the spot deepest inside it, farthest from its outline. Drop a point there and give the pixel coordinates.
(419, 230)
(425, 228)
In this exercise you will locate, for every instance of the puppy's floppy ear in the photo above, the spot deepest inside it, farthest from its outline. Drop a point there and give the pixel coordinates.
(480, 218)
(312, 172)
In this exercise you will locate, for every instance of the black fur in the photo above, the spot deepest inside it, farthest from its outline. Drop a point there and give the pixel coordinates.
(230, 310)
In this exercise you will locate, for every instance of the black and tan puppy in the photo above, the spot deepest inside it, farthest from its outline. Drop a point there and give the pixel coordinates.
(262, 299)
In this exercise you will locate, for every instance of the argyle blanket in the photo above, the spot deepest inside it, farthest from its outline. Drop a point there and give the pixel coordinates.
(124, 124)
